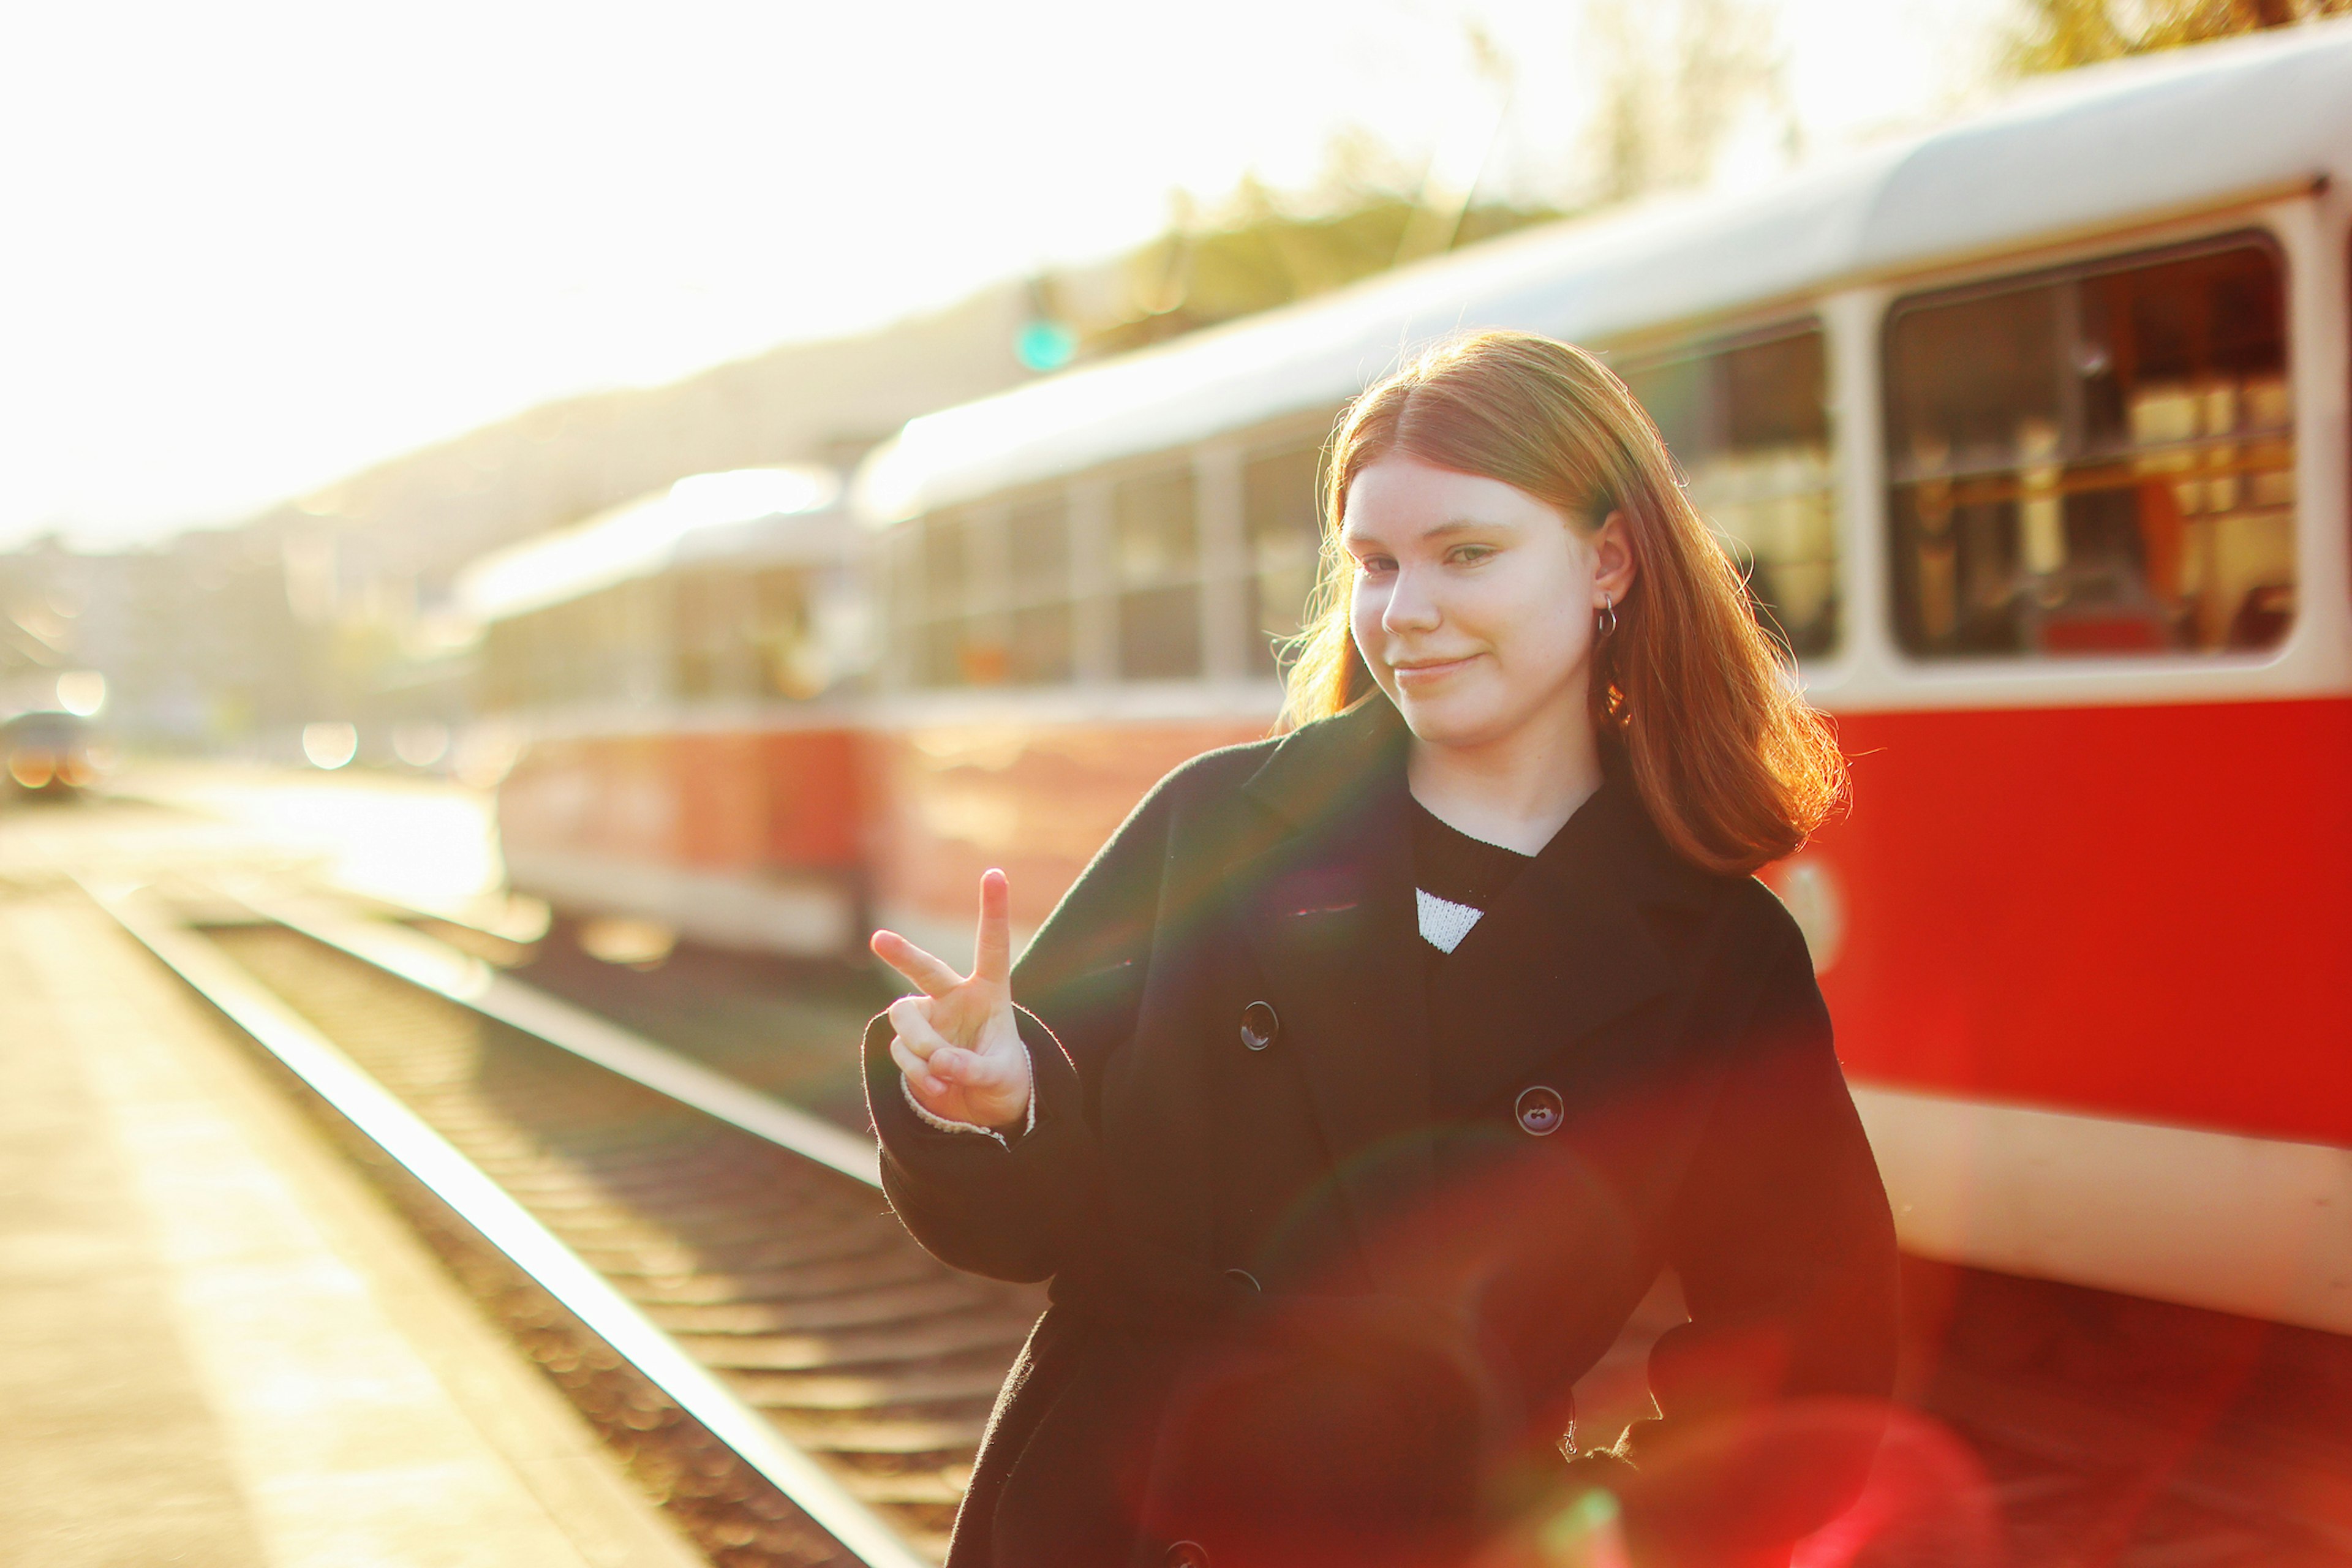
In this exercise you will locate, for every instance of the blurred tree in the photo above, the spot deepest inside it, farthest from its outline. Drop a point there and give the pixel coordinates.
(1677, 77)
(2059, 34)
(1256, 250)
(1368, 211)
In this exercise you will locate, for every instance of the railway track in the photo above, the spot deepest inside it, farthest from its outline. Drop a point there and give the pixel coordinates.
(778, 1359)
(838, 1363)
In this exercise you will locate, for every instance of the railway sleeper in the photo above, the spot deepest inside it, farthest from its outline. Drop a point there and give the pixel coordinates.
(923, 1385)
(809, 1352)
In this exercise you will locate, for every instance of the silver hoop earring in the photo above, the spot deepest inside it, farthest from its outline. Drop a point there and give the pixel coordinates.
(1606, 621)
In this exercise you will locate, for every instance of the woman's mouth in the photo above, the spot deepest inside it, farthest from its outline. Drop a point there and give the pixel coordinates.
(1425, 672)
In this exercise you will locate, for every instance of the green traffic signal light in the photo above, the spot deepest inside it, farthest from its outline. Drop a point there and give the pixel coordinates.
(1045, 345)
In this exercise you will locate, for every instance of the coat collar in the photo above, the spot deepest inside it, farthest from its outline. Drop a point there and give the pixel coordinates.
(1319, 769)
(1322, 768)
(1331, 912)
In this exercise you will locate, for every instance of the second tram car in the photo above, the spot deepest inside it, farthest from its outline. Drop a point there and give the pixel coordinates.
(2033, 433)
(677, 665)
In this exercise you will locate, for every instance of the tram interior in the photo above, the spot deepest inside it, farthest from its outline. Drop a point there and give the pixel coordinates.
(2098, 461)
(1749, 421)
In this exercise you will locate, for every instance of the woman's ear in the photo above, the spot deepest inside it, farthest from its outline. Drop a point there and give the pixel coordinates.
(1614, 561)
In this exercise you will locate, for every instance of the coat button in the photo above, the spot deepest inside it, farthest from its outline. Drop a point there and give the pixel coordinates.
(1259, 1025)
(1188, 1554)
(1539, 1110)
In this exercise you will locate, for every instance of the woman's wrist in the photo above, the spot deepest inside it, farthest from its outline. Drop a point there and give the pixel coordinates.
(1026, 1121)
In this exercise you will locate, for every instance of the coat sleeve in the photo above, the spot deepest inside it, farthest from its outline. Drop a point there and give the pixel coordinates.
(1773, 1395)
(1011, 1209)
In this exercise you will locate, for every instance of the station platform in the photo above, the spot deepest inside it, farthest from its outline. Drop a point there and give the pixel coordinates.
(218, 1345)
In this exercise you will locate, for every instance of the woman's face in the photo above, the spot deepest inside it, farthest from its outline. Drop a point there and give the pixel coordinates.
(1473, 602)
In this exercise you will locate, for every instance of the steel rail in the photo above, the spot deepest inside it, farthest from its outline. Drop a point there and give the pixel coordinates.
(503, 1222)
(445, 971)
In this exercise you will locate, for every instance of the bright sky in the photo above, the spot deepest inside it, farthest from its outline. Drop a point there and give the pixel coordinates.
(253, 246)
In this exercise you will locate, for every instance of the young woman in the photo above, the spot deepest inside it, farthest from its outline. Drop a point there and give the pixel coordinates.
(1371, 1075)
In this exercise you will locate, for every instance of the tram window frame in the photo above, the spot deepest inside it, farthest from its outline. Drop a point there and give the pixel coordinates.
(1156, 603)
(2099, 528)
(1271, 523)
(1758, 472)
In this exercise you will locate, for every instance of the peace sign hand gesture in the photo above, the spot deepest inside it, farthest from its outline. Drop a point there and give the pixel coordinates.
(957, 1044)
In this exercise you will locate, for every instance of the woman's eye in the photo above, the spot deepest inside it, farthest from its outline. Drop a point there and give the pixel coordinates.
(1375, 565)
(1469, 555)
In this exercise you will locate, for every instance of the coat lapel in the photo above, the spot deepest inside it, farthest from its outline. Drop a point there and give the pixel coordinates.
(1329, 914)
(1567, 949)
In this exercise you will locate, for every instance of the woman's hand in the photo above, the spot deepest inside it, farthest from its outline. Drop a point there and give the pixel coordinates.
(957, 1043)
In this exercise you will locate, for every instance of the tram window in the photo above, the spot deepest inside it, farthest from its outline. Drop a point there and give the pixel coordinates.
(1675, 395)
(590, 633)
(548, 675)
(499, 681)
(645, 662)
(1748, 423)
(694, 665)
(945, 653)
(1280, 514)
(2097, 461)
(958, 640)
(898, 573)
(592, 629)
(947, 562)
(962, 651)
(1157, 558)
(710, 616)
(791, 659)
(1038, 551)
(1042, 650)
(552, 678)
(1160, 634)
(1039, 648)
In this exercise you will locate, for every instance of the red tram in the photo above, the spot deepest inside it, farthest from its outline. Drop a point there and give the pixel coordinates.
(2033, 433)
(671, 671)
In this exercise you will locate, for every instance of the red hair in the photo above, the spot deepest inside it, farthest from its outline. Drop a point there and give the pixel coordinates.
(1734, 767)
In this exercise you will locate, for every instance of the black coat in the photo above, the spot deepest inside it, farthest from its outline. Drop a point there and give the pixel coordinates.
(1299, 1318)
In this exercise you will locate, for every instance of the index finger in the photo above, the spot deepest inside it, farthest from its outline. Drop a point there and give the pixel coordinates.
(991, 958)
(930, 975)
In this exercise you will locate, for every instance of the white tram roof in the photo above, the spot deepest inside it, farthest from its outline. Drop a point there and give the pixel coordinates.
(2136, 139)
(744, 517)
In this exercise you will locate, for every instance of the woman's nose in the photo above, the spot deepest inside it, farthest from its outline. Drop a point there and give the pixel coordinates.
(1410, 606)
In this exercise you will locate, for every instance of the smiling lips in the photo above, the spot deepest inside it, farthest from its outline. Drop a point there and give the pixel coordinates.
(1430, 670)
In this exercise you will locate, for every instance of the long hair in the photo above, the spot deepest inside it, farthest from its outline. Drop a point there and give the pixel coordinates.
(1734, 767)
